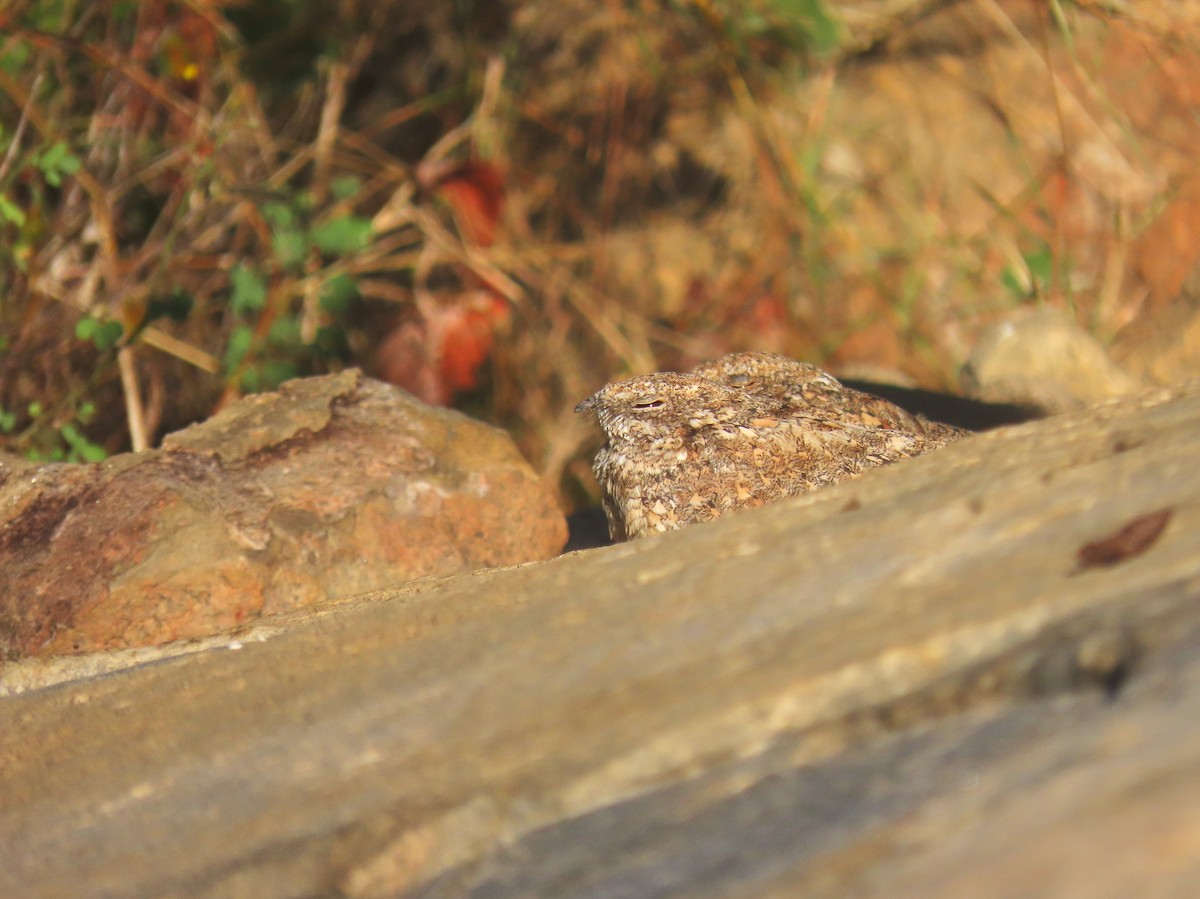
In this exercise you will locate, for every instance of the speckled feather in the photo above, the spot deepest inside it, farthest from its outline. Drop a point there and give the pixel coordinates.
(685, 448)
(803, 390)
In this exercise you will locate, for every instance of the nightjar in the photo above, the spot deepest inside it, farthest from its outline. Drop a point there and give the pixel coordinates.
(803, 390)
(685, 448)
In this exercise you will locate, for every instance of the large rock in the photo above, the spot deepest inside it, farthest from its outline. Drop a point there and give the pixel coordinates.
(977, 671)
(1043, 360)
(329, 486)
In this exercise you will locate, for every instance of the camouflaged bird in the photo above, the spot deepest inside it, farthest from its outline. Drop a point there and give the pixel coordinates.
(803, 390)
(685, 448)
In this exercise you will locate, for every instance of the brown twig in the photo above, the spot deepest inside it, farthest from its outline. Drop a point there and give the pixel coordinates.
(135, 412)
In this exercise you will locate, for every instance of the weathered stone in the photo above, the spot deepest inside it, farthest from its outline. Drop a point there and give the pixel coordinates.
(1044, 360)
(329, 486)
(927, 681)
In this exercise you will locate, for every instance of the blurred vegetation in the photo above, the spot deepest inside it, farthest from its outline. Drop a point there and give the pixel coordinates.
(496, 205)
(182, 218)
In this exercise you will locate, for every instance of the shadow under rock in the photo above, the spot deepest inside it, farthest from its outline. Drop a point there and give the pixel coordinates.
(960, 411)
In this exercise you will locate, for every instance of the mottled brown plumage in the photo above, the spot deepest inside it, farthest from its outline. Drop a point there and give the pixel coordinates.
(801, 389)
(684, 448)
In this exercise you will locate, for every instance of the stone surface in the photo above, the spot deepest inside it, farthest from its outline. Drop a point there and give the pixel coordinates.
(925, 681)
(329, 486)
(1045, 360)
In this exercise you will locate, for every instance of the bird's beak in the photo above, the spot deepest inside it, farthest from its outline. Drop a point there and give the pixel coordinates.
(587, 405)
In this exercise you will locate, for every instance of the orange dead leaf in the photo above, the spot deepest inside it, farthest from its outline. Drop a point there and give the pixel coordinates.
(474, 192)
(441, 354)
(468, 333)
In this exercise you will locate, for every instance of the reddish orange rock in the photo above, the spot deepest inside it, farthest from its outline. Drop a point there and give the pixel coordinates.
(329, 486)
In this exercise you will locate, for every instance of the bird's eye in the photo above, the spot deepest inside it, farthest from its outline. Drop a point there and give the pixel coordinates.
(650, 402)
(739, 381)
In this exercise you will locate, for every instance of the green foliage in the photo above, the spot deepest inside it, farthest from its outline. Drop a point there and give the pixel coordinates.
(285, 332)
(288, 240)
(238, 346)
(795, 24)
(1040, 262)
(268, 375)
(55, 163)
(82, 449)
(249, 290)
(104, 334)
(55, 435)
(292, 239)
(343, 187)
(46, 15)
(23, 201)
(15, 57)
(1035, 276)
(10, 212)
(299, 251)
(343, 236)
(206, 245)
(337, 293)
(757, 30)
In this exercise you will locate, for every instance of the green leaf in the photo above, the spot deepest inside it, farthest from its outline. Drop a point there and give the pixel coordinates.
(288, 240)
(83, 448)
(249, 290)
(104, 334)
(343, 236)
(8, 421)
(1041, 264)
(34, 409)
(123, 11)
(239, 345)
(47, 15)
(108, 334)
(55, 162)
(814, 20)
(285, 332)
(11, 212)
(279, 215)
(87, 411)
(337, 293)
(289, 246)
(272, 373)
(1013, 282)
(16, 58)
(344, 187)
